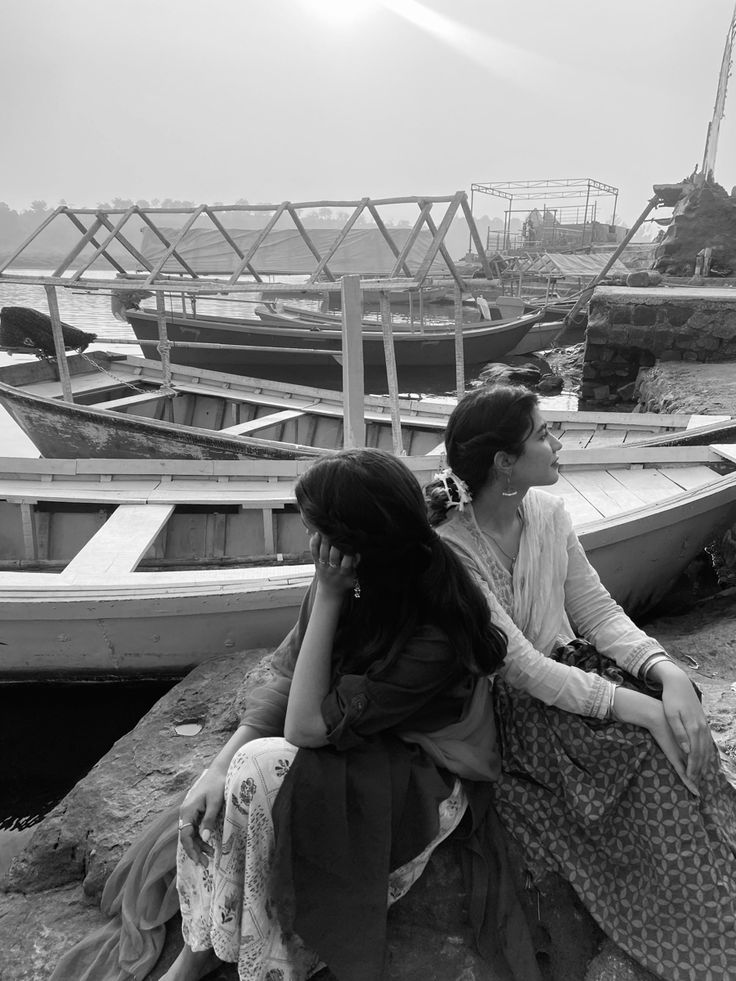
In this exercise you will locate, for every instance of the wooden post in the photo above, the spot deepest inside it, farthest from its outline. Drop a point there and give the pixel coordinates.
(459, 349)
(164, 344)
(64, 377)
(353, 381)
(391, 373)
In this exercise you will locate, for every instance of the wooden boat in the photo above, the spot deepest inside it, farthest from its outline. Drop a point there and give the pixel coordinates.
(539, 337)
(543, 334)
(425, 360)
(98, 616)
(111, 568)
(122, 409)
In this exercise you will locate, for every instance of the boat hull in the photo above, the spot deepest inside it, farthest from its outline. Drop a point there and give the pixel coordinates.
(640, 557)
(541, 336)
(154, 611)
(82, 636)
(70, 431)
(425, 361)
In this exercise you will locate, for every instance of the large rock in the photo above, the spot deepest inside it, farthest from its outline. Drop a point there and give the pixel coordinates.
(682, 386)
(51, 893)
(704, 218)
(145, 772)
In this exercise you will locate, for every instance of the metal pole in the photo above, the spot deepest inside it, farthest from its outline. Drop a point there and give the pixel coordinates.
(470, 233)
(391, 373)
(353, 381)
(56, 329)
(585, 217)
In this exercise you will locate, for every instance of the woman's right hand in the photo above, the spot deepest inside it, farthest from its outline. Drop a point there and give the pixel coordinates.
(643, 710)
(198, 814)
(335, 570)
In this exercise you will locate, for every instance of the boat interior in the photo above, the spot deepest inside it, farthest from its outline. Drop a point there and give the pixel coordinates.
(83, 517)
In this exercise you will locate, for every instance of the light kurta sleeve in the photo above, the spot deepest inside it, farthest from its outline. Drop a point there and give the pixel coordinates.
(528, 669)
(569, 688)
(596, 616)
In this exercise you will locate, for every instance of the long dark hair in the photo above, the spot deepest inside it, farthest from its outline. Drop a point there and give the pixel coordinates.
(368, 502)
(485, 421)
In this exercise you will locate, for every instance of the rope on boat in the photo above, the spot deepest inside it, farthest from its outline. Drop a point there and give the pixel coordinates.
(116, 378)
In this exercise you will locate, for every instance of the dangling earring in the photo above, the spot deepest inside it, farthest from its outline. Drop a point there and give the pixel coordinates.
(509, 492)
(356, 588)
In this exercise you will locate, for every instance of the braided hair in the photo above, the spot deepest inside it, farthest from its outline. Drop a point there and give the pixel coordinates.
(368, 502)
(488, 420)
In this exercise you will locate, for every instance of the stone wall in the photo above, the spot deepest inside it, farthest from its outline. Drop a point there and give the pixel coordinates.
(630, 329)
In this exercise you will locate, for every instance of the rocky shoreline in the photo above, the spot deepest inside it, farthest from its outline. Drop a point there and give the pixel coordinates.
(50, 896)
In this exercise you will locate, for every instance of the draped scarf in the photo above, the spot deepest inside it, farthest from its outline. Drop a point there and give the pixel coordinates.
(538, 605)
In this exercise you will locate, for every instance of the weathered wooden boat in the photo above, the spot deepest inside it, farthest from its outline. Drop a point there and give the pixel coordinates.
(425, 360)
(123, 409)
(111, 568)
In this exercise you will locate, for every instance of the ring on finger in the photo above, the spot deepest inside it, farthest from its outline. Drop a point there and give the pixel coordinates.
(185, 824)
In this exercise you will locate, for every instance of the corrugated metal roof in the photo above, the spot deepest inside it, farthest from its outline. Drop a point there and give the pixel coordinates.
(569, 265)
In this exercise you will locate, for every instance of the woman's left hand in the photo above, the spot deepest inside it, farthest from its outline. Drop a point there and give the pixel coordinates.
(685, 716)
(335, 569)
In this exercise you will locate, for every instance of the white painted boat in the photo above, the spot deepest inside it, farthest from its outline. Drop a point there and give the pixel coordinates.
(123, 409)
(95, 608)
(113, 568)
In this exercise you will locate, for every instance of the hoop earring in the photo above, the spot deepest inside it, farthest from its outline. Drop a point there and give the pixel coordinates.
(509, 492)
(356, 588)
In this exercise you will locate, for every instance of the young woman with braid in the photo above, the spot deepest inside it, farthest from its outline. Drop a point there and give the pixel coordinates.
(609, 775)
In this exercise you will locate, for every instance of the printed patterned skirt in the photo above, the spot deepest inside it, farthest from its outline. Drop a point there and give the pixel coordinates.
(599, 803)
(228, 906)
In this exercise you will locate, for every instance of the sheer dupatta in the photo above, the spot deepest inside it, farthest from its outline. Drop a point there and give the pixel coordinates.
(537, 600)
(539, 574)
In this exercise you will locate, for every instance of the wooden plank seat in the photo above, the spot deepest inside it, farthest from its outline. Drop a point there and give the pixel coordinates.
(120, 544)
(318, 406)
(262, 422)
(128, 401)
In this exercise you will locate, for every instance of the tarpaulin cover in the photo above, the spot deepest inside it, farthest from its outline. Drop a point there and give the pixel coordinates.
(364, 251)
(564, 264)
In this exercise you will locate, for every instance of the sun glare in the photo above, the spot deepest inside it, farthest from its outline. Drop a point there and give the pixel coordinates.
(499, 57)
(340, 13)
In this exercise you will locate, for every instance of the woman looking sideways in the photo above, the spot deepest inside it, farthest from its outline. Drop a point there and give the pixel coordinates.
(616, 787)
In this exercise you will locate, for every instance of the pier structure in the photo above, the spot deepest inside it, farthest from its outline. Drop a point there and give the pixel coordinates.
(202, 252)
(634, 328)
(559, 214)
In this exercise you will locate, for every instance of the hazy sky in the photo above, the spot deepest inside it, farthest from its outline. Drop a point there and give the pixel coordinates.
(216, 100)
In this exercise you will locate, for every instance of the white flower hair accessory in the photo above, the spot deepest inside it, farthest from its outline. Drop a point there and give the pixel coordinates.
(455, 488)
